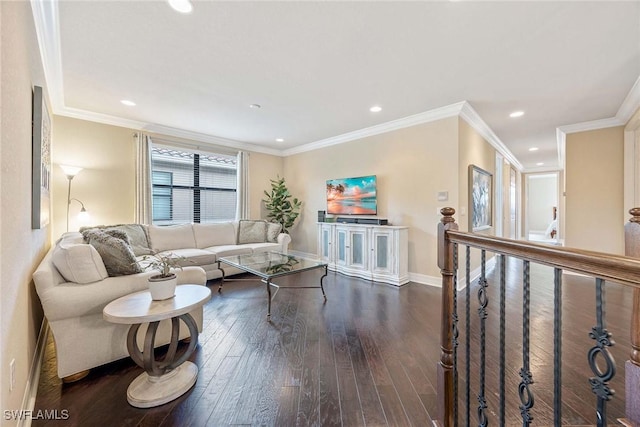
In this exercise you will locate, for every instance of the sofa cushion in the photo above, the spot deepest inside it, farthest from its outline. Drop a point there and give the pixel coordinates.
(229, 250)
(117, 255)
(171, 237)
(263, 247)
(79, 263)
(207, 235)
(273, 229)
(192, 256)
(252, 231)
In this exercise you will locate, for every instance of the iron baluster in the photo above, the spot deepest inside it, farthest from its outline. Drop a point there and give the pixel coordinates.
(468, 332)
(557, 346)
(526, 396)
(600, 383)
(483, 300)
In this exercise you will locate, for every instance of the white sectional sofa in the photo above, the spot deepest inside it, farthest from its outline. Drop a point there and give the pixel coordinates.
(74, 286)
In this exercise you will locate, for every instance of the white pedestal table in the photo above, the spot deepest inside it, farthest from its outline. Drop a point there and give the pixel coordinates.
(166, 380)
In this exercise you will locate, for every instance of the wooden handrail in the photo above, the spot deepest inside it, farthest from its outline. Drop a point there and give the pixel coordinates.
(617, 268)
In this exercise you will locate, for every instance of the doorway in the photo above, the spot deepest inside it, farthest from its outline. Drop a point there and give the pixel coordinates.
(542, 207)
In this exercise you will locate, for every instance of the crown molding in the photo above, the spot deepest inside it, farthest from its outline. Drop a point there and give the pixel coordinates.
(164, 130)
(470, 115)
(405, 122)
(45, 16)
(542, 171)
(631, 103)
(628, 107)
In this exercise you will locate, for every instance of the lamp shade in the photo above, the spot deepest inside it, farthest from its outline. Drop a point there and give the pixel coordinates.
(70, 171)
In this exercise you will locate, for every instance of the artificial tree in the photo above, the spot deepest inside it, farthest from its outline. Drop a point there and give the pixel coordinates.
(282, 207)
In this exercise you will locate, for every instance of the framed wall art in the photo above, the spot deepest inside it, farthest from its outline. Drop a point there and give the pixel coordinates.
(480, 199)
(41, 161)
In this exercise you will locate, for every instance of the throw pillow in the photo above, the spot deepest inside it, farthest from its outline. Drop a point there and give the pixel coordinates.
(273, 230)
(79, 263)
(250, 231)
(136, 234)
(117, 255)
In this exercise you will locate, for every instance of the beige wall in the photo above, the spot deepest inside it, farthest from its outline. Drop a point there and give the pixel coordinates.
(21, 248)
(474, 150)
(106, 185)
(594, 190)
(263, 168)
(411, 165)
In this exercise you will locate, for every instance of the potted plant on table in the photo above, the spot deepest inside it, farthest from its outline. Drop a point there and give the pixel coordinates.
(162, 285)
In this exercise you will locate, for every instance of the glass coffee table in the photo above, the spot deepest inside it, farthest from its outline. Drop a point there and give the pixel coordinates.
(272, 265)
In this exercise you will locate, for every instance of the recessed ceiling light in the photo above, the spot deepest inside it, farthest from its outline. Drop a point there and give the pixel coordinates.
(182, 6)
(256, 106)
(539, 164)
(533, 149)
(279, 140)
(375, 109)
(128, 103)
(517, 114)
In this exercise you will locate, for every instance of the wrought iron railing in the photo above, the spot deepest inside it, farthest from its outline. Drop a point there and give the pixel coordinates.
(624, 270)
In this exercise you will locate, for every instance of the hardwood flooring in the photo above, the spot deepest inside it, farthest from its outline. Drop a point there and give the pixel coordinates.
(367, 356)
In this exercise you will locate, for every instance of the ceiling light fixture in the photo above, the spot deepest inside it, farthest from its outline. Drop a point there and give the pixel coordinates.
(375, 109)
(256, 106)
(517, 114)
(533, 149)
(182, 6)
(128, 103)
(279, 140)
(539, 164)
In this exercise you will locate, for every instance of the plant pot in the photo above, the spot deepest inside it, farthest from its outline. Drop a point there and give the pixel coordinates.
(162, 287)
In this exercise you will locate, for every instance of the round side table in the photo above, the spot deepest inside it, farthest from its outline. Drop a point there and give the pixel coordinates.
(170, 378)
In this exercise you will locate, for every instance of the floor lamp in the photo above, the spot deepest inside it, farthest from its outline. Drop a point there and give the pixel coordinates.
(71, 172)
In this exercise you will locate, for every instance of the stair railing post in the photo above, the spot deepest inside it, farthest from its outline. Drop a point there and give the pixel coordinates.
(445, 367)
(632, 366)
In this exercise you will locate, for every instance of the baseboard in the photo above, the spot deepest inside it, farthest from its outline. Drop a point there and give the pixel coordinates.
(31, 389)
(424, 279)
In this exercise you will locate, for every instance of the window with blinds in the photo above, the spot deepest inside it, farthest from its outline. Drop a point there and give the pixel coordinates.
(192, 187)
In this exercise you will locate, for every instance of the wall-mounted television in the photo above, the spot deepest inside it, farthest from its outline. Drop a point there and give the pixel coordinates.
(352, 196)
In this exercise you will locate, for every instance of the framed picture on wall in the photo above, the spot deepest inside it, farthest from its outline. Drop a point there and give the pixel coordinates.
(41, 161)
(480, 199)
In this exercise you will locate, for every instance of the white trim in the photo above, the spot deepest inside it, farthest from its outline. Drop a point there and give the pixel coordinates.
(45, 16)
(631, 103)
(424, 279)
(405, 122)
(475, 121)
(31, 388)
(628, 107)
(592, 125)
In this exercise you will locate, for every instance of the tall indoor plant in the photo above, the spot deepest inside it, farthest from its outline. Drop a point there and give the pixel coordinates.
(282, 207)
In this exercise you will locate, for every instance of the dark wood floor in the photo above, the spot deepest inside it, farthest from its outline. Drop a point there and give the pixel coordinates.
(366, 357)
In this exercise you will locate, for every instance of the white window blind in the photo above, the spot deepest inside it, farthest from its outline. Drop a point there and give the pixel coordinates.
(191, 186)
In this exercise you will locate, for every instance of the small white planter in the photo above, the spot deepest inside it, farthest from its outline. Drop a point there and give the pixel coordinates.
(162, 287)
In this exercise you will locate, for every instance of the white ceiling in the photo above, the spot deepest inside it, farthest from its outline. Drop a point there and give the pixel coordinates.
(317, 67)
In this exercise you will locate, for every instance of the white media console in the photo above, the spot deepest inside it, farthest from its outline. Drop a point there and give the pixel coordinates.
(373, 252)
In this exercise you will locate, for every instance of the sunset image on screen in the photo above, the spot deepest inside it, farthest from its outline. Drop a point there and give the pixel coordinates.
(352, 196)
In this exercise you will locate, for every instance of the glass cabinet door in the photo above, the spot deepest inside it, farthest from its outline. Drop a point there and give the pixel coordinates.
(342, 246)
(382, 250)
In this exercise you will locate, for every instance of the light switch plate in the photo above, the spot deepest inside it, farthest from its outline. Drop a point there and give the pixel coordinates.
(442, 196)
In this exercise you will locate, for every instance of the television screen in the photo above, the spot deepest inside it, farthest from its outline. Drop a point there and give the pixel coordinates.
(352, 196)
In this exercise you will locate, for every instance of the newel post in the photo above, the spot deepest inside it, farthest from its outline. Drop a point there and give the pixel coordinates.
(445, 367)
(632, 366)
